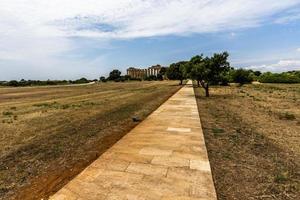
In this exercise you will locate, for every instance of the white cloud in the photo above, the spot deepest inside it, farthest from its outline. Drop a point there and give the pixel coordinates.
(280, 66)
(291, 15)
(134, 18)
(288, 18)
(298, 49)
(35, 32)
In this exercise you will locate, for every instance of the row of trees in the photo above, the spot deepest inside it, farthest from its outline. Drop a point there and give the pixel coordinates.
(217, 70)
(284, 77)
(243, 76)
(23, 82)
(204, 70)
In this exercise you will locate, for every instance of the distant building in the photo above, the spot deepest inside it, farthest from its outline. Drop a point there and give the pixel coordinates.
(142, 73)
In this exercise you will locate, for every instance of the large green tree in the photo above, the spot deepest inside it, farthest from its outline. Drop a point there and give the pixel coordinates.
(195, 68)
(208, 70)
(114, 75)
(176, 71)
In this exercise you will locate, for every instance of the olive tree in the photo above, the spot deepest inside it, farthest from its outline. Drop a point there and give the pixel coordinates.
(208, 70)
(176, 71)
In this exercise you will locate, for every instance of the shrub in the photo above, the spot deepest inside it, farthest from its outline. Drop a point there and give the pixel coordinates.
(281, 177)
(151, 78)
(127, 77)
(218, 131)
(287, 116)
(7, 113)
(102, 79)
(241, 76)
(80, 81)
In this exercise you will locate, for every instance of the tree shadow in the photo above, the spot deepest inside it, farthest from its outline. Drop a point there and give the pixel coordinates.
(200, 94)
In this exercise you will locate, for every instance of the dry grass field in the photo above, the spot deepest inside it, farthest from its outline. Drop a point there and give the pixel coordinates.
(49, 134)
(253, 139)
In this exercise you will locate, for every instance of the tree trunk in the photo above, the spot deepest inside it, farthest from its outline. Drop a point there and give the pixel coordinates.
(180, 82)
(198, 83)
(207, 90)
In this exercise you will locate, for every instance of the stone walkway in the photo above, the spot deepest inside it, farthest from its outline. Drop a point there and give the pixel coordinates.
(163, 158)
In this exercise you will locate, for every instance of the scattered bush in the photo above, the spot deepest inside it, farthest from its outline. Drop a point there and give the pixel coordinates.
(281, 177)
(7, 113)
(48, 105)
(218, 131)
(151, 78)
(287, 116)
(65, 106)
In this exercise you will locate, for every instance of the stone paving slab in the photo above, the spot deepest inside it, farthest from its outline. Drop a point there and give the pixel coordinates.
(163, 158)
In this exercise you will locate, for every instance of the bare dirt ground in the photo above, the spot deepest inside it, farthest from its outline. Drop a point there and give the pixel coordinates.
(253, 139)
(50, 134)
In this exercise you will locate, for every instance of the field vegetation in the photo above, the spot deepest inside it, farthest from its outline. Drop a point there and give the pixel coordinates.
(49, 134)
(252, 136)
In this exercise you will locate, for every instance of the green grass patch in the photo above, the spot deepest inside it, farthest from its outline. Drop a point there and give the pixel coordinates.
(287, 116)
(281, 177)
(218, 131)
(56, 105)
(7, 113)
(46, 105)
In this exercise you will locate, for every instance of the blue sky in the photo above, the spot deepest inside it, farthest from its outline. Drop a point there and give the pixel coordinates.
(68, 39)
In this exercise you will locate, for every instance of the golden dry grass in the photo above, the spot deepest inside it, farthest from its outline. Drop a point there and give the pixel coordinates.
(49, 134)
(253, 140)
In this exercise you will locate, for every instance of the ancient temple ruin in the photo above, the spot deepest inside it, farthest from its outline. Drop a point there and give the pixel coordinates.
(143, 73)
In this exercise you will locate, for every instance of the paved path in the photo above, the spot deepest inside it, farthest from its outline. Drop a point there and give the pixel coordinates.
(163, 158)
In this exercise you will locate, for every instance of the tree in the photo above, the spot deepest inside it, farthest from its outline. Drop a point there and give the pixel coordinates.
(195, 69)
(127, 77)
(257, 73)
(175, 71)
(81, 80)
(102, 79)
(208, 70)
(160, 77)
(163, 70)
(162, 73)
(114, 75)
(13, 83)
(199, 72)
(241, 76)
